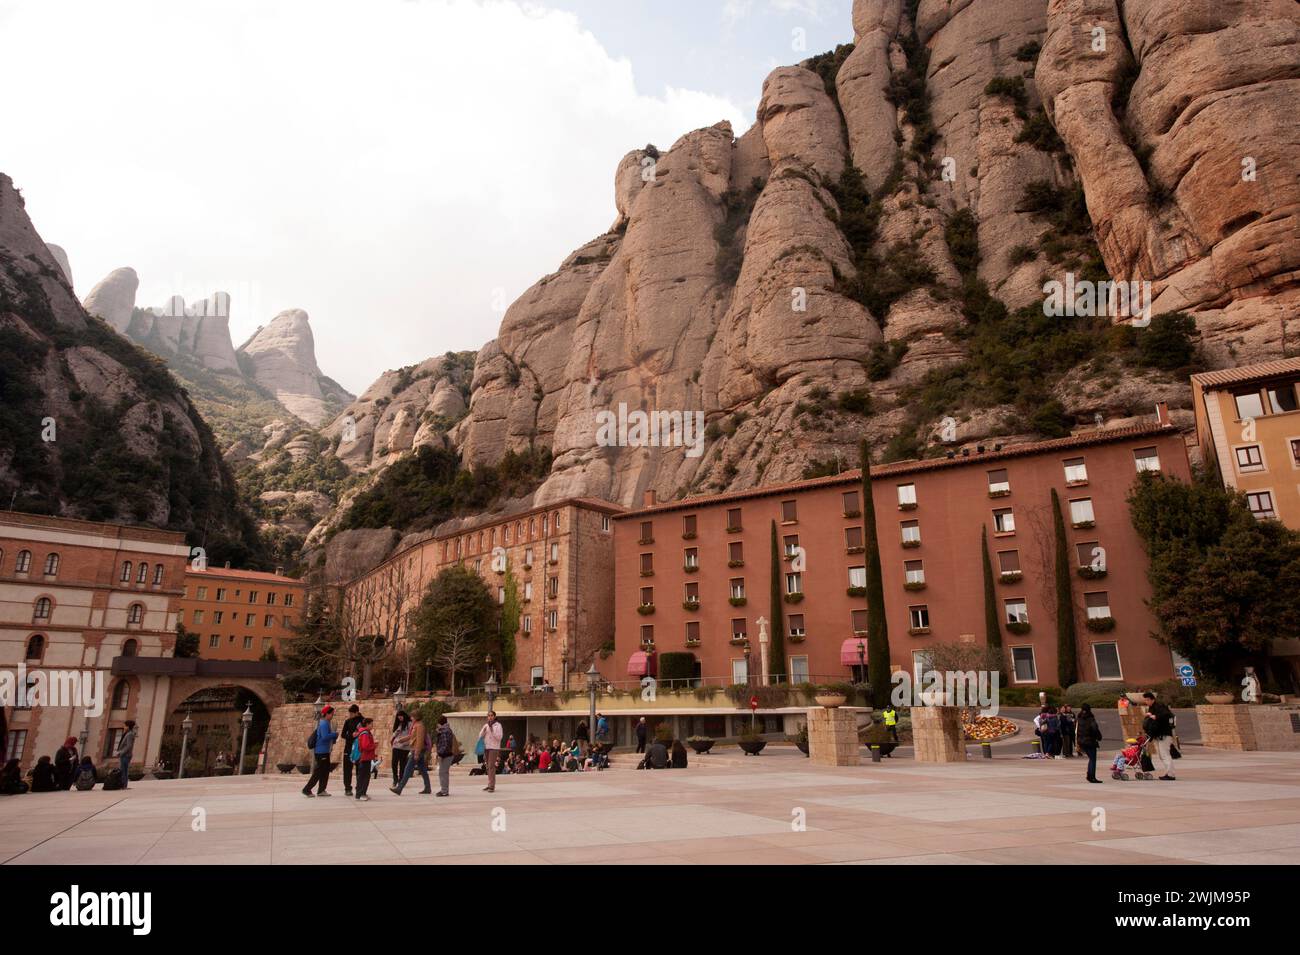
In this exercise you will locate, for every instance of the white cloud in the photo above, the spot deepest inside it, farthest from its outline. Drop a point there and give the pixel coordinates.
(387, 166)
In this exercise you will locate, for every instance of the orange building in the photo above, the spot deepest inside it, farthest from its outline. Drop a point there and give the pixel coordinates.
(1248, 422)
(240, 614)
(694, 575)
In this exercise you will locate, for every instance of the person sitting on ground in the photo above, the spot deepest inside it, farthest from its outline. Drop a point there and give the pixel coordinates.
(679, 755)
(86, 775)
(65, 763)
(43, 779)
(11, 780)
(656, 755)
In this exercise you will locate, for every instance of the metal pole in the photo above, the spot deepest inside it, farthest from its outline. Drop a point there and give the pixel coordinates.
(246, 719)
(185, 743)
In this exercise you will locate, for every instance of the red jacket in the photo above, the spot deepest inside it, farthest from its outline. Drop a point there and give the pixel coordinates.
(366, 743)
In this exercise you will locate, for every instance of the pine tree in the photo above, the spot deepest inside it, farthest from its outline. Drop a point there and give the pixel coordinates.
(777, 621)
(877, 626)
(1067, 662)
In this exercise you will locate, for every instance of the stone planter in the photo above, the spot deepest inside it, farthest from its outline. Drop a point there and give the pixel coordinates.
(701, 746)
(753, 747)
(304, 768)
(162, 774)
(1218, 699)
(284, 767)
(830, 700)
(802, 746)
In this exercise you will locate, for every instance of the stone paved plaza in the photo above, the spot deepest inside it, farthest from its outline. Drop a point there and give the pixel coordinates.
(725, 808)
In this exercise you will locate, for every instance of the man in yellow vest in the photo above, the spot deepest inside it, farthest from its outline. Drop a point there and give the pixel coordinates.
(891, 721)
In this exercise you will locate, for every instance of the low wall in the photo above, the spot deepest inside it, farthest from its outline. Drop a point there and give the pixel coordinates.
(1248, 727)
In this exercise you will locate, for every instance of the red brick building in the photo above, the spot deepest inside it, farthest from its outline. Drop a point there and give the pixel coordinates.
(240, 614)
(695, 574)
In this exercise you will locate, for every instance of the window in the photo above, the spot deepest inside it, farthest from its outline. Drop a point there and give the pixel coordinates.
(692, 631)
(692, 592)
(604, 522)
(555, 522)
(913, 572)
(270, 598)
(1017, 611)
(35, 647)
(1076, 472)
(121, 695)
(252, 596)
(647, 596)
(221, 593)
(647, 532)
(51, 565)
(733, 519)
(142, 574)
(795, 626)
(135, 615)
(268, 620)
(858, 577)
(42, 609)
(737, 588)
(555, 552)
(919, 617)
(737, 628)
(692, 557)
(528, 557)
(1098, 605)
(214, 641)
(647, 563)
(647, 634)
(248, 643)
(217, 616)
(739, 671)
(1023, 668)
(115, 734)
(907, 495)
(130, 648)
(249, 618)
(859, 619)
(853, 538)
(794, 583)
(851, 508)
(553, 586)
(553, 620)
(157, 575)
(1282, 398)
(15, 743)
(1009, 561)
(1295, 452)
(1250, 458)
(25, 563)
(1081, 512)
(798, 669)
(688, 525)
(1261, 504)
(288, 600)
(1004, 522)
(1106, 657)
(789, 511)
(528, 624)
(126, 570)
(1249, 404)
(266, 644)
(911, 532)
(998, 482)
(735, 553)
(198, 616)
(790, 544)
(1146, 459)
(1089, 553)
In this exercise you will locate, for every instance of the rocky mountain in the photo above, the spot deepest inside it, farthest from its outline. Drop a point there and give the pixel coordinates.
(92, 426)
(281, 358)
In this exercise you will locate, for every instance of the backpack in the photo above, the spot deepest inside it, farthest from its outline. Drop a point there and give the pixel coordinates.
(1053, 724)
(114, 779)
(355, 755)
(311, 741)
(85, 779)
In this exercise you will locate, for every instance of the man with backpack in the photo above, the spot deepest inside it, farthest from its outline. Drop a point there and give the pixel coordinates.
(445, 746)
(320, 742)
(1159, 727)
(363, 754)
(418, 761)
(490, 737)
(348, 734)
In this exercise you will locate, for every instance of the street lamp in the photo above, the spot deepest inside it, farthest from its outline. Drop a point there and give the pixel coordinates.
(428, 675)
(320, 705)
(491, 684)
(593, 677)
(187, 724)
(862, 661)
(399, 697)
(247, 720)
(749, 683)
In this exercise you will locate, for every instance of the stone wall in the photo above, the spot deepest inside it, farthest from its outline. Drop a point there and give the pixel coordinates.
(937, 734)
(1248, 727)
(833, 737)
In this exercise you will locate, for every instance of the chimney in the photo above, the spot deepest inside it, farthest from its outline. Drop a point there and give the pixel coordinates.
(1162, 414)
(279, 570)
(648, 498)
(227, 565)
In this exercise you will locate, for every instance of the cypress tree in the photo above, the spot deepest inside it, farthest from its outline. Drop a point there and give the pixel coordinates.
(877, 625)
(992, 628)
(777, 621)
(1067, 664)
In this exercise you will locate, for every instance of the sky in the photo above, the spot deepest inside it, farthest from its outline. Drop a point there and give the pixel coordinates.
(400, 169)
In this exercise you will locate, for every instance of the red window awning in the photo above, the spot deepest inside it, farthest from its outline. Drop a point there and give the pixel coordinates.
(849, 651)
(638, 664)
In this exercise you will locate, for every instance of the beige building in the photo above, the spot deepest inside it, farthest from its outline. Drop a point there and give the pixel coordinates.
(75, 595)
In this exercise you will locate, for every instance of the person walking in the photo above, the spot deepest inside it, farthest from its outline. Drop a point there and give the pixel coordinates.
(1159, 727)
(891, 722)
(583, 735)
(125, 748)
(419, 758)
(445, 747)
(65, 763)
(401, 744)
(365, 751)
(1068, 728)
(640, 735)
(1089, 736)
(490, 737)
(602, 728)
(321, 741)
(348, 734)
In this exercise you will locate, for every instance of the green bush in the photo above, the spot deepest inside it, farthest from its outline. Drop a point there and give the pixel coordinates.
(1096, 695)
(1028, 695)
(676, 666)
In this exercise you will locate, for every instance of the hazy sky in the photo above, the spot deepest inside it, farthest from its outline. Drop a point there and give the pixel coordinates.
(395, 167)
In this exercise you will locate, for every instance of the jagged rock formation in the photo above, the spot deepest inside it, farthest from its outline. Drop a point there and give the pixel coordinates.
(113, 299)
(90, 425)
(62, 258)
(282, 359)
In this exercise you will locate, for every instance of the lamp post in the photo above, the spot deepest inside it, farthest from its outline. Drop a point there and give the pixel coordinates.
(749, 684)
(862, 661)
(491, 684)
(428, 675)
(320, 705)
(187, 724)
(247, 720)
(399, 697)
(593, 677)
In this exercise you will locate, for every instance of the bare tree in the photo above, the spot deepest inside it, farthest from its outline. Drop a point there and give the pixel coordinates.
(457, 650)
(372, 614)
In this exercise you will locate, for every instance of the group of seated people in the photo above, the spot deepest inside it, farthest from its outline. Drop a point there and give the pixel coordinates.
(49, 776)
(659, 755)
(538, 756)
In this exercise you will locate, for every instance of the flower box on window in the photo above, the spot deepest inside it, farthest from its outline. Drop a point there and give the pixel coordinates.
(796, 638)
(1018, 626)
(735, 563)
(691, 568)
(738, 601)
(1011, 576)
(733, 530)
(854, 550)
(856, 591)
(553, 562)
(850, 515)
(794, 598)
(690, 605)
(1000, 492)
(737, 638)
(1082, 482)
(913, 585)
(646, 540)
(647, 573)
(1083, 525)
(1091, 573)
(528, 566)
(1101, 624)
(918, 631)
(645, 609)
(911, 543)
(689, 536)
(693, 642)
(908, 506)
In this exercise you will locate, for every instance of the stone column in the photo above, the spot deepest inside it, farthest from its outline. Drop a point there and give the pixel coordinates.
(937, 735)
(833, 737)
(1130, 720)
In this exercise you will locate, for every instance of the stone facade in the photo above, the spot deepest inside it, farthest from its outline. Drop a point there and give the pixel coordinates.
(833, 737)
(937, 734)
(1247, 727)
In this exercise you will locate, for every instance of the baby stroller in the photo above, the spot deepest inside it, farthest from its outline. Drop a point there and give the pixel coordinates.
(1134, 758)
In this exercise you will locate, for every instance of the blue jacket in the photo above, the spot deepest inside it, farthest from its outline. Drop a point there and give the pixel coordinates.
(325, 737)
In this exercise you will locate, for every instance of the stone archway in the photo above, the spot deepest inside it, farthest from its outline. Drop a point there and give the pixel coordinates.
(216, 734)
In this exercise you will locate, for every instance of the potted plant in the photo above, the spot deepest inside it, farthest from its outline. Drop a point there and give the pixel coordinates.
(1218, 699)
(830, 696)
(701, 744)
(876, 737)
(801, 740)
(752, 743)
(1101, 624)
(304, 768)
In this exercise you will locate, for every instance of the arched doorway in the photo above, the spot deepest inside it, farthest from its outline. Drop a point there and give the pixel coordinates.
(216, 731)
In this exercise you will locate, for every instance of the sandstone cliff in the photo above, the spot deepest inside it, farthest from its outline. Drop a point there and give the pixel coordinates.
(282, 359)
